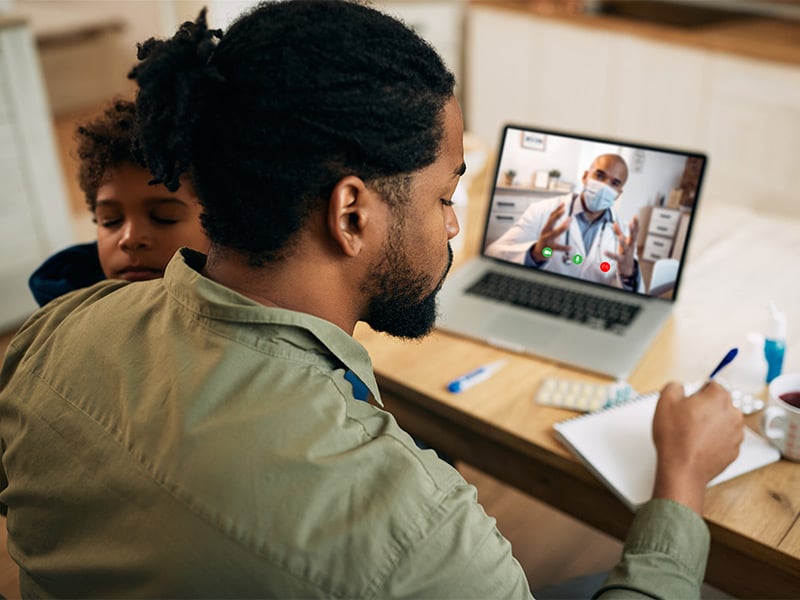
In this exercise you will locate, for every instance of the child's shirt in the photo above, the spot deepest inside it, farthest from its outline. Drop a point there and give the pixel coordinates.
(70, 269)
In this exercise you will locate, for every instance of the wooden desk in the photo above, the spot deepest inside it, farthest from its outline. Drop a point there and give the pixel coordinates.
(738, 261)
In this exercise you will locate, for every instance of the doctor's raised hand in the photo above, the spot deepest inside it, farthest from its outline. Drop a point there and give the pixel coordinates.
(626, 249)
(550, 233)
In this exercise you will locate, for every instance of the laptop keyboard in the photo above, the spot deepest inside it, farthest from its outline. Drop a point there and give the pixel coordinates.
(594, 311)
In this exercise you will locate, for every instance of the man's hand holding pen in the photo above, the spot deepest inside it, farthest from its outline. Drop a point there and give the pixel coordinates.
(696, 437)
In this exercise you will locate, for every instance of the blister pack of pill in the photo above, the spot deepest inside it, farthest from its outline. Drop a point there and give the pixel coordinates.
(747, 403)
(582, 395)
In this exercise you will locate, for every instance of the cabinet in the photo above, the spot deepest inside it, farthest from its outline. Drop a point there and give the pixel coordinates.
(508, 205)
(660, 233)
(34, 219)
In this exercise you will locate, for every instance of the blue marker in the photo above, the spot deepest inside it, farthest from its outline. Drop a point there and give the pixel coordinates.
(724, 362)
(475, 377)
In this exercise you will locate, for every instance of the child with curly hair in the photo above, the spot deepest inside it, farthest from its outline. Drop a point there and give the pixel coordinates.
(139, 226)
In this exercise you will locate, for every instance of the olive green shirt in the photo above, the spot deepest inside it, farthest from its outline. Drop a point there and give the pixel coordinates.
(173, 438)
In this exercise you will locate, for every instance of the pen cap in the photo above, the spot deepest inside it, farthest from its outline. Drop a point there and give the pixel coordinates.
(775, 343)
(777, 325)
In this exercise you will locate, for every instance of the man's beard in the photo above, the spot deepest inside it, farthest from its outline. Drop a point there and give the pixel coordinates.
(401, 305)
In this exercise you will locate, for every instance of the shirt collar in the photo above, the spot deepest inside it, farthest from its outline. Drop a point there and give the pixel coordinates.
(211, 300)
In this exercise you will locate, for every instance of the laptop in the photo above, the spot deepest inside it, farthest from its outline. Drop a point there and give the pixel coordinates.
(577, 306)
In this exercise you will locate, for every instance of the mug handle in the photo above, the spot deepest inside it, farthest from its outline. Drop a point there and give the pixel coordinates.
(773, 424)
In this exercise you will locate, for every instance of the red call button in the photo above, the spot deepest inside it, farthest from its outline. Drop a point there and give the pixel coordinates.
(605, 267)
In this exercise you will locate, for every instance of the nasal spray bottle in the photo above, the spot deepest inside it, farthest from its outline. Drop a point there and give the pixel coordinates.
(775, 342)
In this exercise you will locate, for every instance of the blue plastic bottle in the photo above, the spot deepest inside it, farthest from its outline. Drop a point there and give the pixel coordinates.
(775, 343)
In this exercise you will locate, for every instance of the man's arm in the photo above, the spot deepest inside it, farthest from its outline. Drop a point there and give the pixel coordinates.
(460, 553)
(664, 555)
(666, 549)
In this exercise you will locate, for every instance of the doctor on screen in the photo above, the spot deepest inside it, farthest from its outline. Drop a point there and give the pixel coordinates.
(575, 234)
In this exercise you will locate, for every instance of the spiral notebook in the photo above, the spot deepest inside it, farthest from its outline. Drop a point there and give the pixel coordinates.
(616, 445)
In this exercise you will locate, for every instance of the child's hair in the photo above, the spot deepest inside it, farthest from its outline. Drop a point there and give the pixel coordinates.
(104, 143)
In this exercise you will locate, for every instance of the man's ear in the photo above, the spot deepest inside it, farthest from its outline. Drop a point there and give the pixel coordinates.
(351, 209)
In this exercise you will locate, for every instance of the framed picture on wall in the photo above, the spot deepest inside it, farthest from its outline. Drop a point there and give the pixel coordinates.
(533, 140)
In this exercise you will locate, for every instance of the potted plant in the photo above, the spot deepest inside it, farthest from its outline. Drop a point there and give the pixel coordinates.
(509, 175)
(554, 175)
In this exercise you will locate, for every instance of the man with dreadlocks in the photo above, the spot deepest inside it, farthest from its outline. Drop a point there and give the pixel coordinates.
(207, 434)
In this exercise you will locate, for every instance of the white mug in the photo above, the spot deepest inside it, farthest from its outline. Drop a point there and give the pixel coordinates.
(781, 419)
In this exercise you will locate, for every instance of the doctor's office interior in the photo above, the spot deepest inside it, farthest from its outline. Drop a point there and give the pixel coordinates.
(721, 77)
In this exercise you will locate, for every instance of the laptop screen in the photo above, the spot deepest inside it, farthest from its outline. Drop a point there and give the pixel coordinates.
(609, 212)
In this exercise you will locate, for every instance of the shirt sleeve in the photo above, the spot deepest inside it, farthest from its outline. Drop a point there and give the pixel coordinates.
(462, 555)
(664, 555)
(529, 261)
(631, 283)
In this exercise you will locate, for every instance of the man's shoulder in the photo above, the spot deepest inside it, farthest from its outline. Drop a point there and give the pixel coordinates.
(48, 318)
(81, 298)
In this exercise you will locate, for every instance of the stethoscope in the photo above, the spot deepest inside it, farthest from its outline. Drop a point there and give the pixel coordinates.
(567, 258)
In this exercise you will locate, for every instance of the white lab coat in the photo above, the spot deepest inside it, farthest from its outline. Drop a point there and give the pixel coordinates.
(516, 242)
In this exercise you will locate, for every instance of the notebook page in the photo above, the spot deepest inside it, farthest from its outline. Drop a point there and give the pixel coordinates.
(617, 446)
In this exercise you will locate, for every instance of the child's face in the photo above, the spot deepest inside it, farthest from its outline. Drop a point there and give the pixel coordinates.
(140, 226)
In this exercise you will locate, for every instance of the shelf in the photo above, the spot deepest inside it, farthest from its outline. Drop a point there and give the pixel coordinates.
(529, 191)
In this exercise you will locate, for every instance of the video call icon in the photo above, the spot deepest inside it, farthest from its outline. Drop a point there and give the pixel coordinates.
(547, 252)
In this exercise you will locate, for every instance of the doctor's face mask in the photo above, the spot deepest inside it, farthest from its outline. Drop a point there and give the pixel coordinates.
(598, 196)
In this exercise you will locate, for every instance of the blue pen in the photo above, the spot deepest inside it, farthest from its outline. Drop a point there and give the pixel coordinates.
(724, 362)
(482, 373)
